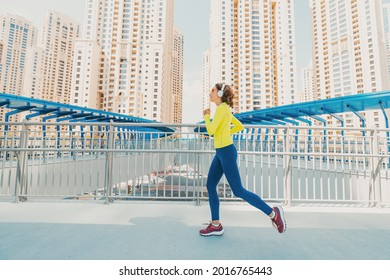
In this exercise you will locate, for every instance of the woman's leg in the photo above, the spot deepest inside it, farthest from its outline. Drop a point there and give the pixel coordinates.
(215, 174)
(228, 159)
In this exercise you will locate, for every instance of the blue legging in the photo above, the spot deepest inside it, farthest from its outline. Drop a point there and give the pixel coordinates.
(225, 161)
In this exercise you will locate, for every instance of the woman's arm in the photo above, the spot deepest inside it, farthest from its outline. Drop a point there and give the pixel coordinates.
(213, 125)
(237, 126)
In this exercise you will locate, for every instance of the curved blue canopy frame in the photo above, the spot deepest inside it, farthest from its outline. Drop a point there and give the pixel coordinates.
(302, 112)
(70, 113)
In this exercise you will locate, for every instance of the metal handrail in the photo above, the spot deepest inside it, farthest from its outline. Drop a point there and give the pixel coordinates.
(280, 163)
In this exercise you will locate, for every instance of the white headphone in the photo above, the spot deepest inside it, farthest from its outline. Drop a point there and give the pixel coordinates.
(220, 92)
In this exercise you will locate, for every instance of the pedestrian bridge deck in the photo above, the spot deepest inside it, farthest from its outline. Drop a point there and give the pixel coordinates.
(166, 230)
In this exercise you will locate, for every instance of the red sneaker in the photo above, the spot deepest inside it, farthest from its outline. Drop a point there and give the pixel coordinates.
(212, 230)
(278, 221)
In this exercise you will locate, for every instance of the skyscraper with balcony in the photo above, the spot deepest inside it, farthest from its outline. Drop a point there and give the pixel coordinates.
(136, 42)
(252, 48)
(349, 53)
(85, 78)
(206, 84)
(307, 82)
(17, 35)
(177, 90)
(58, 36)
(386, 21)
(34, 71)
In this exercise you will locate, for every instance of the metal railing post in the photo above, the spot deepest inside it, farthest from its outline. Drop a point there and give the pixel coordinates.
(109, 164)
(21, 169)
(375, 195)
(287, 167)
(197, 170)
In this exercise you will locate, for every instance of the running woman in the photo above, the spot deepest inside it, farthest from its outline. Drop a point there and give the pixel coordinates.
(225, 162)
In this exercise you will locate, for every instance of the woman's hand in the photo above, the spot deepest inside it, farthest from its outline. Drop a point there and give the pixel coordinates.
(206, 112)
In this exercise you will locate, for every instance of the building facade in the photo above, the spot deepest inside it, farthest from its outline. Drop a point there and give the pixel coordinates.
(349, 53)
(178, 67)
(136, 40)
(252, 48)
(206, 84)
(34, 71)
(307, 83)
(17, 35)
(85, 87)
(58, 35)
(386, 23)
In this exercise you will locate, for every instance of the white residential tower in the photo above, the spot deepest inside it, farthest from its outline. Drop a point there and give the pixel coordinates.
(349, 53)
(58, 36)
(136, 41)
(17, 35)
(253, 49)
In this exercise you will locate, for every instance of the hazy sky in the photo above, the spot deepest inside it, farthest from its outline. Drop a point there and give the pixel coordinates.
(191, 18)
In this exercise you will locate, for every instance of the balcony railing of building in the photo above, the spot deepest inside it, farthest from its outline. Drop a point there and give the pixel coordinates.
(289, 164)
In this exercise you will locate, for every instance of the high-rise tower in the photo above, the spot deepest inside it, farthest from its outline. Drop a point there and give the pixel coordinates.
(253, 48)
(177, 90)
(58, 36)
(349, 54)
(136, 41)
(17, 35)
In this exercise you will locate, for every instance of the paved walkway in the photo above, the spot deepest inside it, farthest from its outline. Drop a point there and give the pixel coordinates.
(147, 230)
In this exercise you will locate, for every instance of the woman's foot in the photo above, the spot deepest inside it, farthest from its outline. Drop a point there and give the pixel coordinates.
(278, 221)
(212, 230)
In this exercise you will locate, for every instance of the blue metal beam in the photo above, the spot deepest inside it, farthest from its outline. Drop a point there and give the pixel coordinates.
(44, 119)
(64, 113)
(353, 110)
(278, 122)
(360, 116)
(333, 114)
(309, 122)
(2, 103)
(314, 117)
(274, 116)
(22, 108)
(40, 113)
(291, 121)
(7, 115)
(384, 114)
(88, 119)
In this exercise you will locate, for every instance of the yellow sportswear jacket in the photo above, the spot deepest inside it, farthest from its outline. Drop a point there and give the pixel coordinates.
(221, 128)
